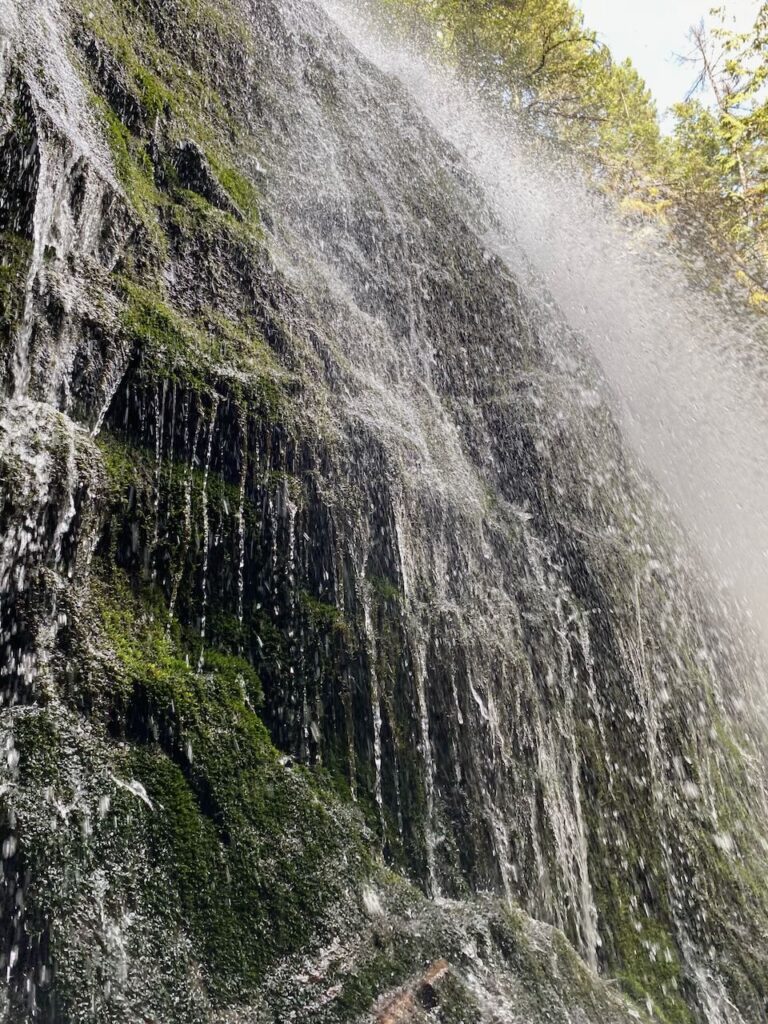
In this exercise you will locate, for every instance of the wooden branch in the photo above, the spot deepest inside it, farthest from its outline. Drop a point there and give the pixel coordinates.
(555, 46)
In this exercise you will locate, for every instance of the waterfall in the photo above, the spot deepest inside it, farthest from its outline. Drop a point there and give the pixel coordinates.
(688, 376)
(619, 334)
(460, 615)
(206, 535)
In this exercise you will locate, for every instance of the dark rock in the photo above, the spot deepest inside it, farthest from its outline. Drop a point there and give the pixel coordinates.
(277, 538)
(19, 163)
(115, 85)
(194, 173)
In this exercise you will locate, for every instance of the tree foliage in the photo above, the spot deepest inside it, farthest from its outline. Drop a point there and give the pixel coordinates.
(707, 181)
(717, 161)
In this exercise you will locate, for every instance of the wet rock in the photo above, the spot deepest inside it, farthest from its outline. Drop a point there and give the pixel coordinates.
(115, 84)
(194, 173)
(19, 162)
(305, 517)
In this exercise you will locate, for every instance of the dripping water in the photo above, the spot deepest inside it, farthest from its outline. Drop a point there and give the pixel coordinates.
(688, 375)
(241, 533)
(206, 535)
(375, 694)
(187, 535)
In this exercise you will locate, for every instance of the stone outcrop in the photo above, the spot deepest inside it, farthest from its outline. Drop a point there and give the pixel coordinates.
(319, 574)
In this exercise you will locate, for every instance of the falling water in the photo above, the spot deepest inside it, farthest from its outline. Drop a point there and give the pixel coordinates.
(206, 535)
(370, 640)
(515, 659)
(689, 377)
(241, 533)
(420, 672)
(188, 483)
(159, 411)
(532, 702)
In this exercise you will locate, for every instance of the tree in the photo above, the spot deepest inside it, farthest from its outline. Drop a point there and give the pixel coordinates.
(550, 69)
(717, 164)
(707, 184)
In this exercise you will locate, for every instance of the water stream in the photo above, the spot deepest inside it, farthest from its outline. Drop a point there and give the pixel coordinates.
(522, 646)
(689, 375)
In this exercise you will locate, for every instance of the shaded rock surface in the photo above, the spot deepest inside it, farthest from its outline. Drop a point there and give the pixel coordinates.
(195, 174)
(321, 552)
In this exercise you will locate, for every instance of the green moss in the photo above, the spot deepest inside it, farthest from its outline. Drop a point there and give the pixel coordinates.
(242, 344)
(154, 658)
(135, 171)
(181, 78)
(169, 348)
(38, 737)
(323, 616)
(123, 463)
(289, 482)
(641, 951)
(183, 98)
(637, 931)
(15, 255)
(156, 98)
(206, 355)
(234, 672)
(456, 1004)
(731, 880)
(254, 849)
(650, 967)
(508, 933)
(190, 841)
(384, 588)
(158, 76)
(132, 474)
(192, 214)
(243, 192)
(388, 968)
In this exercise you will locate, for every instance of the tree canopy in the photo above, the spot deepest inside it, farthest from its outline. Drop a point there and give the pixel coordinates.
(707, 181)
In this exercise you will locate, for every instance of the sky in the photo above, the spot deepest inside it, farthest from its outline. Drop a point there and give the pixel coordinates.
(652, 32)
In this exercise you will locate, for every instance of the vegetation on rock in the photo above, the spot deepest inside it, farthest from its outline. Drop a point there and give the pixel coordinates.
(241, 715)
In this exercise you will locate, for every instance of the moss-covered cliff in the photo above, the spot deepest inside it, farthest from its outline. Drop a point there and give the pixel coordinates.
(323, 590)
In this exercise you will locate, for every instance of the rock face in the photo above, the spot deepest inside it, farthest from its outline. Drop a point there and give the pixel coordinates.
(322, 567)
